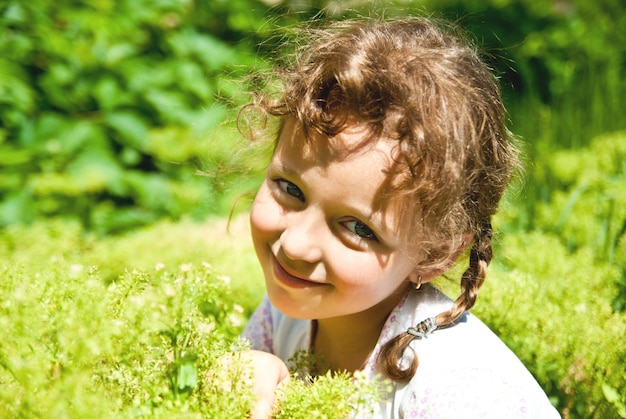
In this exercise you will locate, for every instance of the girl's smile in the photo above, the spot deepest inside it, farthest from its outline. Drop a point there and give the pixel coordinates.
(290, 280)
(326, 238)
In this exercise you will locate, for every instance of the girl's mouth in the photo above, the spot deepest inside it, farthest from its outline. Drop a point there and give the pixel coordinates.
(290, 280)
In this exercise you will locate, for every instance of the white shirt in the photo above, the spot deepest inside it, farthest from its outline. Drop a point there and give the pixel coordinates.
(465, 371)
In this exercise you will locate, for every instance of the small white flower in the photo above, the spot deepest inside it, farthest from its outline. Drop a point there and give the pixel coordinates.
(224, 278)
(169, 291)
(185, 267)
(206, 328)
(235, 319)
(159, 266)
(75, 270)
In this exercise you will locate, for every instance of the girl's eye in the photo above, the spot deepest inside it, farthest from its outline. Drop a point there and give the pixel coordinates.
(290, 189)
(360, 230)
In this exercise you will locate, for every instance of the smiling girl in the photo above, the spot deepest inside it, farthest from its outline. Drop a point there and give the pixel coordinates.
(390, 160)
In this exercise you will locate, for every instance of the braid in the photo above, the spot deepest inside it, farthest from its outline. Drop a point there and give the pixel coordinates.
(472, 279)
(391, 353)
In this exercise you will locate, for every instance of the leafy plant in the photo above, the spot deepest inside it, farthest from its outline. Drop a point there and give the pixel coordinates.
(328, 396)
(99, 349)
(110, 109)
(148, 342)
(588, 212)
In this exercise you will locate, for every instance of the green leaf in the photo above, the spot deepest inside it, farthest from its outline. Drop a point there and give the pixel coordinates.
(14, 13)
(110, 95)
(613, 397)
(212, 52)
(205, 120)
(187, 376)
(14, 88)
(78, 135)
(192, 79)
(94, 170)
(119, 52)
(172, 106)
(10, 156)
(17, 207)
(151, 191)
(131, 129)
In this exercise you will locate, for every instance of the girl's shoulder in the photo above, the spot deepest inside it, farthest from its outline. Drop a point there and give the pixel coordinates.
(469, 335)
(469, 343)
(472, 392)
(468, 368)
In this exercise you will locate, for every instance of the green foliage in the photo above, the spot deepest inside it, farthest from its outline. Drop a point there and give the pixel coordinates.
(136, 324)
(119, 113)
(74, 346)
(328, 396)
(145, 343)
(587, 212)
(109, 109)
(164, 244)
(124, 317)
(592, 200)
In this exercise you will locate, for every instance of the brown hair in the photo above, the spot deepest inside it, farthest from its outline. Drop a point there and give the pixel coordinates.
(413, 82)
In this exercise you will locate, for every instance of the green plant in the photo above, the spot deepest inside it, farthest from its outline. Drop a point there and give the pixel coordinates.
(145, 342)
(556, 294)
(553, 308)
(328, 396)
(589, 210)
(109, 110)
(135, 345)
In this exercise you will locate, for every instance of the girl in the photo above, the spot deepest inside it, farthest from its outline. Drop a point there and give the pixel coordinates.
(390, 159)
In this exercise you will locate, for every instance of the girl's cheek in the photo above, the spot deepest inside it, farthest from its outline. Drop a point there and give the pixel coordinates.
(266, 213)
(355, 272)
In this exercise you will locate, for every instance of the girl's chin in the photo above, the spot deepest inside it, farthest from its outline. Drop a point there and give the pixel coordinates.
(289, 306)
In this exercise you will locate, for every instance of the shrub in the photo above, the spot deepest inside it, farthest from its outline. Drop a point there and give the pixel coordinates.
(109, 110)
(74, 346)
(147, 342)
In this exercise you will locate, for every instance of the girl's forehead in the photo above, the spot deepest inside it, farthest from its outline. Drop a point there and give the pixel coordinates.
(353, 141)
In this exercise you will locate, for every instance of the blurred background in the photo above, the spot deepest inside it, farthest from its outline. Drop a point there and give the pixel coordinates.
(121, 114)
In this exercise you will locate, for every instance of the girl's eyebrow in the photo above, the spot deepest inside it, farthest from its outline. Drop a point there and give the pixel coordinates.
(284, 169)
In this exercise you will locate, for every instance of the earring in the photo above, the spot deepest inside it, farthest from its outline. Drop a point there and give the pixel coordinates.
(419, 282)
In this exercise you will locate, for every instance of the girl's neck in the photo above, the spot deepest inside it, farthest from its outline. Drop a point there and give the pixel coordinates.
(345, 343)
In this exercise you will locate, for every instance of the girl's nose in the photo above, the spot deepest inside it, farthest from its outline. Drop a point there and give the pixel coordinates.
(302, 237)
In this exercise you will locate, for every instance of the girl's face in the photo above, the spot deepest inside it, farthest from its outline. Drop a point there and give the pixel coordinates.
(329, 245)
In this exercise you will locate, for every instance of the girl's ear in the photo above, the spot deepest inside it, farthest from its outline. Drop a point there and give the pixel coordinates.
(420, 276)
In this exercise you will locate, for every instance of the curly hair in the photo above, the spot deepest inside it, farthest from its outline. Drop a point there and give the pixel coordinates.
(419, 83)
